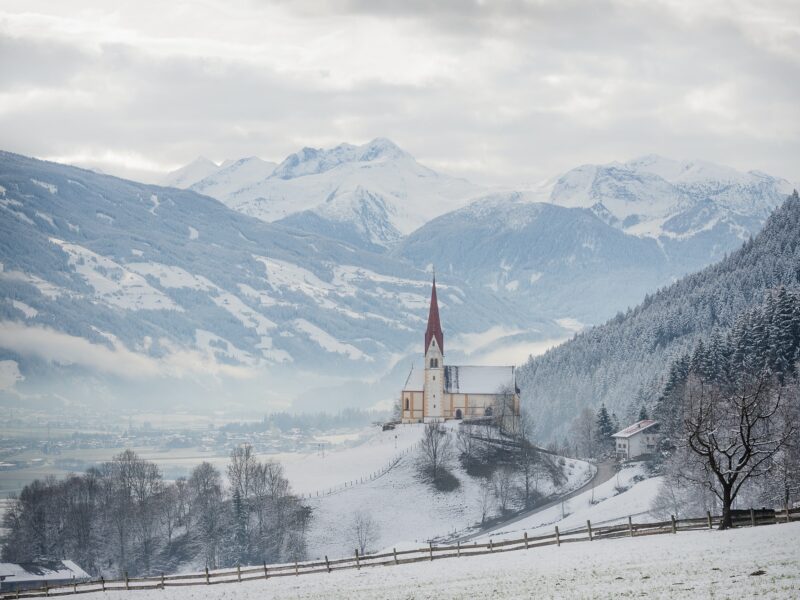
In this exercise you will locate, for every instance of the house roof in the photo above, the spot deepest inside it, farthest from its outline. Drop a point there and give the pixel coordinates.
(638, 427)
(478, 380)
(40, 571)
(434, 326)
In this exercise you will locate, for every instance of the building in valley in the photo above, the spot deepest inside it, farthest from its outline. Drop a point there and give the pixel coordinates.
(438, 392)
(636, 440)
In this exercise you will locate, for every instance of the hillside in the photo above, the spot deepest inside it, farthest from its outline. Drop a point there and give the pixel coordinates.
(133, 291)
(742, 563)
(624, 362)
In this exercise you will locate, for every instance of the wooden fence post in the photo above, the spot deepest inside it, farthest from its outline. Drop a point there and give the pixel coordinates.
(162, 580)
(46, 588)
(588, 526)
(558, 537)
(266, 576)
(491, 548)
(327, 564)
(674, 525)
(296, 571)
(103, 582)
(430, 544)
(526, 540)
(239, 573)
(630, 526)
(394, 551)
(207, 579)
(458, 549)
(788, 518)
(358, 563)
(708, 516)
(752, 518)
(127, 583)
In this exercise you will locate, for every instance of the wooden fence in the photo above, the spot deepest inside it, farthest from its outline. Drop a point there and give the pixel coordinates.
(751, 518)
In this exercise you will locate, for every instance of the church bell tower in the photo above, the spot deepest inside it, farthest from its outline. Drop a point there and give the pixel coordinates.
(433, 391)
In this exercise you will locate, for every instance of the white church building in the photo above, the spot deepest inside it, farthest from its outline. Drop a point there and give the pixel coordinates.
(438, 392)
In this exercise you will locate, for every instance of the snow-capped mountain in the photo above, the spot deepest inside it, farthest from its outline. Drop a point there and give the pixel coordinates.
(693, 208)
(106, 277)
(188, 175)
(371, 194)
(563, 261)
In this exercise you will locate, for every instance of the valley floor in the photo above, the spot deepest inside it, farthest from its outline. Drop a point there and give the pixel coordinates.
(745, 563)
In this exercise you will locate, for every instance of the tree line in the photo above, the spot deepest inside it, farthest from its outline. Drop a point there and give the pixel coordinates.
(730, 414)
(123, 517)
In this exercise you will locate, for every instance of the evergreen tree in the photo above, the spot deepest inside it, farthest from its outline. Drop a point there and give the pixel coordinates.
(604, 428)
(643, 413)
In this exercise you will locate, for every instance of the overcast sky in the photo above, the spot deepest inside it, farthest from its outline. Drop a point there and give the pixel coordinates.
(498, 92)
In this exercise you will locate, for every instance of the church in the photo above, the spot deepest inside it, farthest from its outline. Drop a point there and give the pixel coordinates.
(438, 392)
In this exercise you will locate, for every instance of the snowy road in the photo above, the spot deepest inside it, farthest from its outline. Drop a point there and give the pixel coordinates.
(605, 471)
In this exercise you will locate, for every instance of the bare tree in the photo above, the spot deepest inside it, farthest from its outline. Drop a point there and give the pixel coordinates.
(582, 430)
(466, 443)
(485, 499)
(364, 530)
(435, 450)
(734, 432)
(502, 483)
(205, 484)
(527, 459)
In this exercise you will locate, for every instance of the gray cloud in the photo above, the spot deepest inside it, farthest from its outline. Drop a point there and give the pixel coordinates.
(498, 92)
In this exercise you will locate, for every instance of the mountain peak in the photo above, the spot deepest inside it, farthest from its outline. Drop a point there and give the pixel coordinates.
(200, 168)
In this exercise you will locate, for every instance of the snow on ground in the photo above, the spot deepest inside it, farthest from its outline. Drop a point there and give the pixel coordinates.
(370, 452)
(328, 342)
(407, 510)
(113, 283)
(26, 309)
(609, 507)
(696, 564)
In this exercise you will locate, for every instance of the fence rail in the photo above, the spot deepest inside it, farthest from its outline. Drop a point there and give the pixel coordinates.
(751, 518)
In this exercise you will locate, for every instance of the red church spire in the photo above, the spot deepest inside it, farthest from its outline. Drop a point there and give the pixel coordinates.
(434, 326)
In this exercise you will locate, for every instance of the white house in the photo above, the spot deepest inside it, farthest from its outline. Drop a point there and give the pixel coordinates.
(637, 439)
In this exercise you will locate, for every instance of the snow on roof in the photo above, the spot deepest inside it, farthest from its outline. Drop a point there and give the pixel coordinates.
(49, 570)
(478, 380)
(415, 381)
(635, 428)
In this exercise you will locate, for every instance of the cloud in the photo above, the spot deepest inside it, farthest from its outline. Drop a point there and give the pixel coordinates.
(500, 92)
(63, 349)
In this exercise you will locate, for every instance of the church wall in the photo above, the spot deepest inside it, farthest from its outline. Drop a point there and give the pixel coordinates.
(415, 411)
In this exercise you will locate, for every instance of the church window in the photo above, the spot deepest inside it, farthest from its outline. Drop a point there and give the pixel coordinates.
(434, 363)
(488, 411)
(406, 403)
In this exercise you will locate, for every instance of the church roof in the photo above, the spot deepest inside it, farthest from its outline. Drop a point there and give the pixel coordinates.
(434, 326)
(415, 380)
(479, 380)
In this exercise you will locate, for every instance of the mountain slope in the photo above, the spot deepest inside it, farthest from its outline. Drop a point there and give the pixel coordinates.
(565, 262)
(111, 277)
(624, 362)
(695, 209)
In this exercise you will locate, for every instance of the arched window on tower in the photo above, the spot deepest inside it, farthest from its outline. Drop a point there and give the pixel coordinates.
(406, 403)
(434, 363)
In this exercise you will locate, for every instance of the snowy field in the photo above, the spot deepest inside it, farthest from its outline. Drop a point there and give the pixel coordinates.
(373, 450)
(763, 562)
(408, 512)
